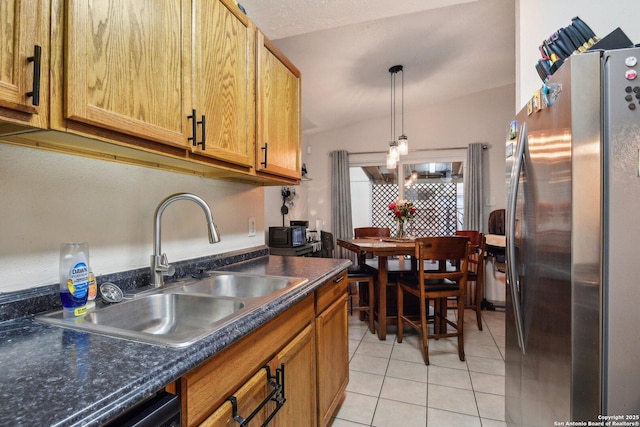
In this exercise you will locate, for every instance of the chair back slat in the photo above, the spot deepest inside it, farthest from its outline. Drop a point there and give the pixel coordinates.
(442, 249)
(475, 237)
(479, 247)
(361, 232)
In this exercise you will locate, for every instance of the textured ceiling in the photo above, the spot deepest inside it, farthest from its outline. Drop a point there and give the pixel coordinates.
(344, 50)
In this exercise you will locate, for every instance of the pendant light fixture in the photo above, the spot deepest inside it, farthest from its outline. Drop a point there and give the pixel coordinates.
(401, 146)
(403, 141)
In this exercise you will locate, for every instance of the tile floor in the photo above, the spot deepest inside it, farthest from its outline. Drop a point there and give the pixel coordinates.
(390, 386)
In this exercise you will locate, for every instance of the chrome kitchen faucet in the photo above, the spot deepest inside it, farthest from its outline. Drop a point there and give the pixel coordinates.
(160, 266)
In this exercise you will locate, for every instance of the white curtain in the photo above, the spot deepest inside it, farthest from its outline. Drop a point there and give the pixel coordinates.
(473, 197)
(341, 225)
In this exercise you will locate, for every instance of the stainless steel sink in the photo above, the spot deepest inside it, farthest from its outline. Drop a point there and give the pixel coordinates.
(180, 314)
(170, 319)
(239, 285)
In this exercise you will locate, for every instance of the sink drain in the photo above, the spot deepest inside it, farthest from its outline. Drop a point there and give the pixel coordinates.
(110, 292)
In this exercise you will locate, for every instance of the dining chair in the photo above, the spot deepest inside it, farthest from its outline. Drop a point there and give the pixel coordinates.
(396, 267)
(475, 273)
(358, 274)
(448, 280)
(354, 275)
(497, 222)
(362, 232)
(328, 244)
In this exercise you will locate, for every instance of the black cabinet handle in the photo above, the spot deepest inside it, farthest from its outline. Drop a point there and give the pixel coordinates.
(276, 395)
(194, 127)
(203, 123)
(35, 93)
(266, 149)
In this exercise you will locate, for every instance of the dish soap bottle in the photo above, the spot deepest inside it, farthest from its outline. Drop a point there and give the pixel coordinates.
(92, 290)
(74, 278)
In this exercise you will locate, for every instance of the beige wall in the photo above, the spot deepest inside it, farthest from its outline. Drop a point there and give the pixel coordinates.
(479, 117)
(49, 198)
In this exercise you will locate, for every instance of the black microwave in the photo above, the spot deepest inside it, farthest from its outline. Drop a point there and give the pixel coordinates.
(287, 237)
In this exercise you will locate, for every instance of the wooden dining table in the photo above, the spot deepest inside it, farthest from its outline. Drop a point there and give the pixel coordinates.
(382, 248)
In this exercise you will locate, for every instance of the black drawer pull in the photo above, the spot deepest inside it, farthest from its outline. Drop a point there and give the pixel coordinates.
(276, 395)
(35, 93)
(266, 149)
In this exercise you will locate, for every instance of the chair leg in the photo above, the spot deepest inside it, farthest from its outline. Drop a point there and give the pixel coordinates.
(479, 303)
(358, 291)
(460, 327)
(372, 326)
(400, 298)
(440, 307)
(423, 330)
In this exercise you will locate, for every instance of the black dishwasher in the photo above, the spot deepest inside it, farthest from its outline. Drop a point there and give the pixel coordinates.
(162, 410)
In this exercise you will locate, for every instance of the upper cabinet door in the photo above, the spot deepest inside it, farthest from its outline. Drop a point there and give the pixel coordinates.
(124, 67)
(278, 146)
(224, 81)
(24, 61)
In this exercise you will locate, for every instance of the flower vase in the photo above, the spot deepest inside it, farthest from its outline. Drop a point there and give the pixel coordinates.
(400, 230)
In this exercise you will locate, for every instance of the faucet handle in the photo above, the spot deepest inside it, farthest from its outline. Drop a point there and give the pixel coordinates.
(164, 267)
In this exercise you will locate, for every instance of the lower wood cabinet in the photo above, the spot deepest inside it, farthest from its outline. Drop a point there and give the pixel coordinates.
(261, 399)
(298, 359)
(306, 352)
(248, 397)
(332, 348)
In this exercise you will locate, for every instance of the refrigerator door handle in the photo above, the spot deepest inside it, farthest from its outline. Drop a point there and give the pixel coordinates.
(512, 273)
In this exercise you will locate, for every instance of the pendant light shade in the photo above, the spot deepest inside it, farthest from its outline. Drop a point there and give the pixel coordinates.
(391, 162)
(401, 146)
(394, 152)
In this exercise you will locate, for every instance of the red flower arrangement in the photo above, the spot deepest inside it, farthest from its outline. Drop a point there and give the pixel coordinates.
(402, 210)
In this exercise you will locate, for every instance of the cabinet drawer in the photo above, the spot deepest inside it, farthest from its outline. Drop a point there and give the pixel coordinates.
(248, 397)
(331, 291)
(207, 386)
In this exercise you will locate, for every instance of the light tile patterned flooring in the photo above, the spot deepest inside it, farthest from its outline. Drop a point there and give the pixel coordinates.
(390, 386)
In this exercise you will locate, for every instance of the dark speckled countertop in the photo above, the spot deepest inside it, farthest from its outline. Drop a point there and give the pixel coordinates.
(53, 376)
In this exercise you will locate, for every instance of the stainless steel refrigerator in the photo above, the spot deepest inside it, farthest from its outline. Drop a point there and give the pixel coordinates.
(573, 246)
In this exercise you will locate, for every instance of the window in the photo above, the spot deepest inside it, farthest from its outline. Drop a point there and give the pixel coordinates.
(435, 188)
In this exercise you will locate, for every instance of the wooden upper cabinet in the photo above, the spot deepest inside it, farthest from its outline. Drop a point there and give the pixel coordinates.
(223, 82)
(25, 29)
(186, 85)
(278, 106)
(124, 68)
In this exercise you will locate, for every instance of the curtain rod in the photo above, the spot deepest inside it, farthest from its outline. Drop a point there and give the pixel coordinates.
(484, 146)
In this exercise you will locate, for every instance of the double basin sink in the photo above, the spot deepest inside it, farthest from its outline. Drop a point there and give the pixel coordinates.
(181, 313)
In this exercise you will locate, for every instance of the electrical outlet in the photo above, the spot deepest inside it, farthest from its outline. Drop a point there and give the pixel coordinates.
(252, 226)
